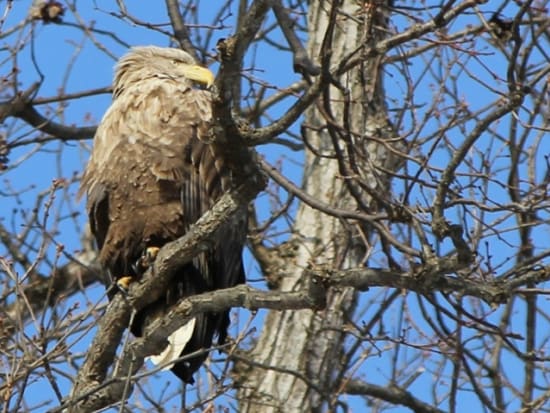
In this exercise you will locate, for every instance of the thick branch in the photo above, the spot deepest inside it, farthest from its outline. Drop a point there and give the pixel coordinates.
(427, 280)
(311, 297)
(171, 256)
(231, 52)
(249, 27)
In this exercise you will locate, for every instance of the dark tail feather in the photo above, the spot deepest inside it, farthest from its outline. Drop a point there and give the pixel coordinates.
(206, 325)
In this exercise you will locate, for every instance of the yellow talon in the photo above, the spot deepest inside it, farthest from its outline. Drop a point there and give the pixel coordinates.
(149, 256)
(124, 282)
(145, 261)
(152, 253)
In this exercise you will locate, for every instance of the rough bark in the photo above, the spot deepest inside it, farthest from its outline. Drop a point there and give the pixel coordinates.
(299, 355)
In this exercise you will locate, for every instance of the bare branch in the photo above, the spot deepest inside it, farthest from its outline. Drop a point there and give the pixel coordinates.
(302, 63)
(392, 394)
(181, 33)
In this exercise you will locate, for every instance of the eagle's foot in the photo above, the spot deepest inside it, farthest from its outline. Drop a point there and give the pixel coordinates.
(147, 258)
(123, 283)
(145, 261)
(139, 267)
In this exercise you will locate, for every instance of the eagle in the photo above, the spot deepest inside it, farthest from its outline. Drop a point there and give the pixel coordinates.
(152, 173)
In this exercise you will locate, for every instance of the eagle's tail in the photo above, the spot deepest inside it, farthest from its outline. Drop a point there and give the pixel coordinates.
(176, 343)
(206, 326)
(192, 341)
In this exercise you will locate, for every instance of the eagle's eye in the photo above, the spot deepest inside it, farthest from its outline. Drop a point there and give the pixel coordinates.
(175, 61)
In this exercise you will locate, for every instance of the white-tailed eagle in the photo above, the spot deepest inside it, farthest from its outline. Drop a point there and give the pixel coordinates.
(151, 175)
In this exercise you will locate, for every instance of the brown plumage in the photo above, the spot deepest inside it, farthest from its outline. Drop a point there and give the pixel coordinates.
(151, 175)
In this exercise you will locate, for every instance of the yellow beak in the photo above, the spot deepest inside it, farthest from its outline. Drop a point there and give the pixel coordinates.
(200, 74)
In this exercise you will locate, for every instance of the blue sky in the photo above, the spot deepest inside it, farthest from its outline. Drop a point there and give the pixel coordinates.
(57, 47)
(68, 58)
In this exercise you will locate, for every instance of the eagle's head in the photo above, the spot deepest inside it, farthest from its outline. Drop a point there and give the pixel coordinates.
(146, 62)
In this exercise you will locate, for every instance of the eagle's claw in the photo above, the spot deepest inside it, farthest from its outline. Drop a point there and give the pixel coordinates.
(145, 261)
(123, 283)
(147, 258)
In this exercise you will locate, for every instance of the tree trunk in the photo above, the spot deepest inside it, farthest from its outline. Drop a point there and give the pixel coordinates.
(300, 353)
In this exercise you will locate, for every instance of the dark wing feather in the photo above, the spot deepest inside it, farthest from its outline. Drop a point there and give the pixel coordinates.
(220, 267)
(99, 214)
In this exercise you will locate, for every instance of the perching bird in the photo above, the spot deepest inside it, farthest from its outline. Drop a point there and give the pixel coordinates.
(152, 174)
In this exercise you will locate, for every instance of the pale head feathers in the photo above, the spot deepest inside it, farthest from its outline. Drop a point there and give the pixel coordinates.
(145, 62)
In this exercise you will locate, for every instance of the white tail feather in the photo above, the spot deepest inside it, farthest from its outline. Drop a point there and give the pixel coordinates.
(177, 341)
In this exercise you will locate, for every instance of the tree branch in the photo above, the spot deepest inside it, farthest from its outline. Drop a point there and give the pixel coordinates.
(392, 394)
(116, 319)
(100, 393)
(60, 132)
(21, 106)
(439, 226)
(97, 393)
(180, 30)
(301, 61)
(45, 291)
